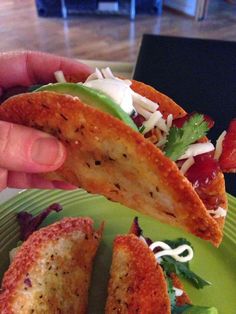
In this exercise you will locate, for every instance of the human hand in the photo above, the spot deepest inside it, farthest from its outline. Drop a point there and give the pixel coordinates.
(25, 152)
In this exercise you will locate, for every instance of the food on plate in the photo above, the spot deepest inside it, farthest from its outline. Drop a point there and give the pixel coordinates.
(30, 223)
(228, 156)
(133, 145)
(50, 272)
(144, 276)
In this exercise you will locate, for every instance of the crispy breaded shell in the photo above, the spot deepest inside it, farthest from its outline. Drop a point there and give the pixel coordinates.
(213, 194)
(52, 269)
(137, 283)
(184, 298)
(166, 104)
(180, 300)
(107, 157)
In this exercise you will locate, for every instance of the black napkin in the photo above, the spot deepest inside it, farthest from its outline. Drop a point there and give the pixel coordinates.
(199, 74)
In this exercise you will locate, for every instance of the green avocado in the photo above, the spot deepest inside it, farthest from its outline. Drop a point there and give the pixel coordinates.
(92, 98)
(200, 310)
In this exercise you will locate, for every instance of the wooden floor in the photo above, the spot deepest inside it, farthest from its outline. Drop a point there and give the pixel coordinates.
(104, 38)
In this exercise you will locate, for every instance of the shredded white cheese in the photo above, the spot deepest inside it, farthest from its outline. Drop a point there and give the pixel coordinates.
(152, 121)
(161, 123)
(59, 76)
(197, 149)
(219, 212)
(116, 89)
(178, 292)
(162, 140)
(107, 73)
(146, 114)
(169, 121)
(175, 253)
(119, 90)
(95, 75)
(187, 164)
(219, 145)
(144, 102)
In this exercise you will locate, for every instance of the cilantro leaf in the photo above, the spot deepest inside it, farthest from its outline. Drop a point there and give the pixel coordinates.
(179, 139)
(175, 309)
(171, 291)
(141, 129)
(175, 243)
(170, 265)
(180, 309)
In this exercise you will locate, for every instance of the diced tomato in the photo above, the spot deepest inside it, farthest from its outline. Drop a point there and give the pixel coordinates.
(138, 120)
(203, 171)
(228, 157)
(180, 121)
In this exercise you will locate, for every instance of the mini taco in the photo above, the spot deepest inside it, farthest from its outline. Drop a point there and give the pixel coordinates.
(143, 276)
(51, 270)
(133, 145)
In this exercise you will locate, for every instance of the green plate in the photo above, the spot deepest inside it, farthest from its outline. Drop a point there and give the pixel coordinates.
(216, 265)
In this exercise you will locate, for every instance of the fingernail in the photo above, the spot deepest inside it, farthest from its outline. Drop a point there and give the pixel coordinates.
(47, 151)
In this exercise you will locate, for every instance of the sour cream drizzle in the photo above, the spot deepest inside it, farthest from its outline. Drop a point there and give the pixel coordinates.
(175, 253)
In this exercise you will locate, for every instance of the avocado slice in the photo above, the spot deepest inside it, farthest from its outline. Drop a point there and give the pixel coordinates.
(92, 98)
(200, 310)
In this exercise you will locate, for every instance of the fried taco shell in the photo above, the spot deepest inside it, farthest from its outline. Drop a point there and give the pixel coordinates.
(137, 283)
(213, 195)
(105, 156)
(51, 271)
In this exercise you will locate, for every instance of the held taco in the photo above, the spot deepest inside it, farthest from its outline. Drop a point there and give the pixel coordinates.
(107, 154)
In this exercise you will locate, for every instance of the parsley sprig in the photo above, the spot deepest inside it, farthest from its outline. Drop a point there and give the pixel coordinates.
(175, 309)
(179, 139)
(170, 265)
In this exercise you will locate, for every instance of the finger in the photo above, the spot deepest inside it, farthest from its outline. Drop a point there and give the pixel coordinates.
(30, 67)
(26, 181)
(22, 180)
(3, 179)
(28, 150)
(64, 185)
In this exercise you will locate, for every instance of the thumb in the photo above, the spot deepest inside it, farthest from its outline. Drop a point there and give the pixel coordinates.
(28, 150)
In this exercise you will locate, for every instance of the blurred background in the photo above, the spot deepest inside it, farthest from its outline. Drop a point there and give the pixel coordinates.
(109, 30)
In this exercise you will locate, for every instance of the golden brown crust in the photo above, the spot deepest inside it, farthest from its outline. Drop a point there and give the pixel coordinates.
(166, 104)
(213, 195)
(137, 283)
(51, 271)
(184, 298)
(127, 167)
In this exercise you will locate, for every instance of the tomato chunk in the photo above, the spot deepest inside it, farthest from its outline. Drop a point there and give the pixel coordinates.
(228, 157)
(138, 120)
(203, 171)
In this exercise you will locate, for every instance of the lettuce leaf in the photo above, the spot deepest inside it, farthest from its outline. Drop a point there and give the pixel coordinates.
(29, 223)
